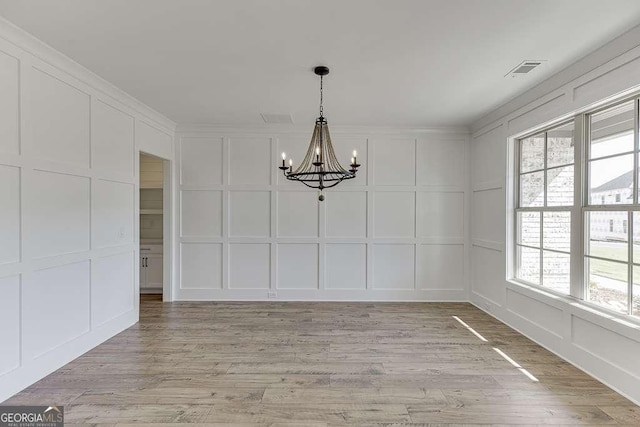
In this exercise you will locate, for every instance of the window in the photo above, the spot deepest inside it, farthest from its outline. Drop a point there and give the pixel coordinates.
(546, 195)
(609, 256)
(605, 206)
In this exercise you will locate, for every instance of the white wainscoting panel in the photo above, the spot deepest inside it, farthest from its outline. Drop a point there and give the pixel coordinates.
(201, 266)
(613, 81)
(249, 266)
(488, 219)
(543, 315)
(58, 211)
(614, 348)
(61, 294)
(441, 162)
(201, 213)
(297, 214)
(250, 213)
(297, 266)
(393, 266)
(60, 119)
(112, 287)
(9, 104)
(394, 162)
(250, 161)
(202, 159)
(488, 156)
(346, 266)
(488, 270)
(346, 214)
(9, 214)
(439, 267)
(394, 214)
(112, 213)
(112, 139)
(10, 323)
(441, 214)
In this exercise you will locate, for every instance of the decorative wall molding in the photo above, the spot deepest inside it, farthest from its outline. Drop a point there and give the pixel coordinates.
(413, 202)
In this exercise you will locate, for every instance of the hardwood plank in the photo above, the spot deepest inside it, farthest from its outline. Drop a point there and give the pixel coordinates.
(353, 395)
(511, 414)
(323, 364)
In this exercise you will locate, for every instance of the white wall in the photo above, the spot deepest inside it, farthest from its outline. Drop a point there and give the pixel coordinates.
(69, 194)
(606, 348)
(396, 232)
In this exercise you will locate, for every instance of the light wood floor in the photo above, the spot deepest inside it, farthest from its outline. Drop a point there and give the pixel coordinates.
(321, 364)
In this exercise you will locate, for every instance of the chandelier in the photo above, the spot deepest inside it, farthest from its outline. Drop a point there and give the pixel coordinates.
(320, 168)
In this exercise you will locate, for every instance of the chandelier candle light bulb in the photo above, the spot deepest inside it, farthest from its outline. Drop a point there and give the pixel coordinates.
(284, 158)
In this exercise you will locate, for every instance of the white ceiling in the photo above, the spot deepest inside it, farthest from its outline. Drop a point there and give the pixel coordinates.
(393, 62)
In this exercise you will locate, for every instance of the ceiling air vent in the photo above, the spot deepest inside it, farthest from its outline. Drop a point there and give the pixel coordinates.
(277, 118)
(525, 67)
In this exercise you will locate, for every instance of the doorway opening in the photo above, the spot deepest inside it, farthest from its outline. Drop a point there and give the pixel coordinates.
(154, 228)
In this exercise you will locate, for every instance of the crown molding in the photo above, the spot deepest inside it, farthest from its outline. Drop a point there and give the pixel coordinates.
(42, 51)
(203, 129)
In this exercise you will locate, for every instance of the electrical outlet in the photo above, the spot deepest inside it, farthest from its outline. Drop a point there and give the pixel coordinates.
(272, 294)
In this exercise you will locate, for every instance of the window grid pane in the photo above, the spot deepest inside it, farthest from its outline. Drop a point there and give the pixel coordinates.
(611, 131)
(556, 271)
(532, 153)
(529, 264)
(532, 189)
(529, 228)
(611, 181)
(557, 231)
(560, 186)
(608, 235)
(546, 178)
(560, 146)
(608, 284)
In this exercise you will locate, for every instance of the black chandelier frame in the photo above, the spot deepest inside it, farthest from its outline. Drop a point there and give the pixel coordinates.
(320, 167)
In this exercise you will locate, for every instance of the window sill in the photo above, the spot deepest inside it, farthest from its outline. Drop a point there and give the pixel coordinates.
(622, 324)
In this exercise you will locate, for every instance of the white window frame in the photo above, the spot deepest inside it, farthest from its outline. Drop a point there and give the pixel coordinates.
(629, 208)
(544, 208)
(579, 211)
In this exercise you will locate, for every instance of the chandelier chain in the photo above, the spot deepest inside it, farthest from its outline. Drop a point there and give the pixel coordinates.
(321, 110)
